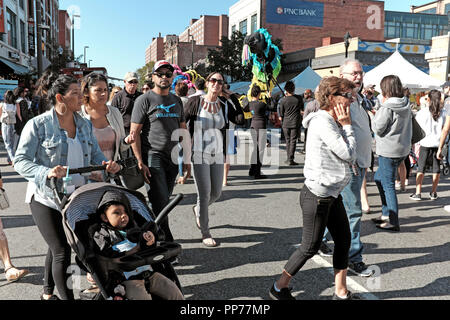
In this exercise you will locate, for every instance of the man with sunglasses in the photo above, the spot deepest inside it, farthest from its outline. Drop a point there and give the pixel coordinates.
(351, 195)
(156, 116)
(125, 99)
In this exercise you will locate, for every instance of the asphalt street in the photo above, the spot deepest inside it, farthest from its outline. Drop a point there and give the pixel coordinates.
(258, 223)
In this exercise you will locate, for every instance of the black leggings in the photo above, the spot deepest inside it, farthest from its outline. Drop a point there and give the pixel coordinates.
(319, 213)
(49, 223)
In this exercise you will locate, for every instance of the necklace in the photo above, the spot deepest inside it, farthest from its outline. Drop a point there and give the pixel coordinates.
(212, 107)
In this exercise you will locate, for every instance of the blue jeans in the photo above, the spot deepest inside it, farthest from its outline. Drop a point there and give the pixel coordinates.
(8, 134)
(351, 197)
(385, 180)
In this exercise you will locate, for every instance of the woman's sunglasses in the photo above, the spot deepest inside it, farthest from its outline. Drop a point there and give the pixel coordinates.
(347, 95)
(214, 80)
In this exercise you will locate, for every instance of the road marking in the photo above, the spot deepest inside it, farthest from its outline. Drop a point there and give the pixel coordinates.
(352, 284)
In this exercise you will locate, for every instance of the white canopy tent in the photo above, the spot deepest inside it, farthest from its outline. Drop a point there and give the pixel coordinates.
(411, 77)
(307, 79)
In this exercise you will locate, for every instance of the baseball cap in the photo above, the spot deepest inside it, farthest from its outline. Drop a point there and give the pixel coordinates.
(161, 64)
(131, 76)
(446, 84)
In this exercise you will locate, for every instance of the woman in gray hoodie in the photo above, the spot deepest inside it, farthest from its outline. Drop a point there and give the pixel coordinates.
(330, 150)
(392, 126)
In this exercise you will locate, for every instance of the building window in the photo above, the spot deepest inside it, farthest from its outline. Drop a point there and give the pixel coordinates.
(429, 11)
(243, 27)
(12, 28)
(21, 4)
(447, 8)
(22, 36)
(233, 28)
(254, 23)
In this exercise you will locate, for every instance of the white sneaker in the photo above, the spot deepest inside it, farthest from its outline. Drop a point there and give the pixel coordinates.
(447, 208)
(397, 185)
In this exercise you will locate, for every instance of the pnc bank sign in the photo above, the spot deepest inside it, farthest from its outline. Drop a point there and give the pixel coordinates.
(295, 12)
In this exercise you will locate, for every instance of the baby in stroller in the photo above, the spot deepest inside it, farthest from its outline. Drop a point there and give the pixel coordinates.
(118, 233)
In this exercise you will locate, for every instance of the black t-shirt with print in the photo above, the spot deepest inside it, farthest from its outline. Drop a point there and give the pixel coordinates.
(160, 116)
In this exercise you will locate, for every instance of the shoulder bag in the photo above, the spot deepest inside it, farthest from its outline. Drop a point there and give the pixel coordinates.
(130, 175)
(417, 131)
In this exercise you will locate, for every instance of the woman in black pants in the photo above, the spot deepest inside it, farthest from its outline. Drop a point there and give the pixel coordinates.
(258, 130)
(49, 144)
(330, 149)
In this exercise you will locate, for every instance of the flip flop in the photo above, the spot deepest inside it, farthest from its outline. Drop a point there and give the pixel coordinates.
(197, 220)
(209, 242)
(14, 276)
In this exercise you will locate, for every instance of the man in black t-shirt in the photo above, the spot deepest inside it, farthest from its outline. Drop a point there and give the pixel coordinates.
(124, 99)
(156, 115)
(290, 113)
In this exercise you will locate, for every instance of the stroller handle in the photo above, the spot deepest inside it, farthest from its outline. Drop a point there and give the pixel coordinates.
(164, 212)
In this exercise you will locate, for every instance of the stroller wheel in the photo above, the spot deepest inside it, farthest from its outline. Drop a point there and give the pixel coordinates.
(446, 171)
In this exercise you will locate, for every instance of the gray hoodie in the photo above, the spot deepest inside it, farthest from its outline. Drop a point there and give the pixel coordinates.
(329, 151)
(392, 126)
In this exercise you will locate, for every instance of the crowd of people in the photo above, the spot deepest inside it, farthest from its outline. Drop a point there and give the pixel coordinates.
(69, 123)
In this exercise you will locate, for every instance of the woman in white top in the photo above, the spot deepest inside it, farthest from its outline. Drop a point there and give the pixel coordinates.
(106, 121)
(8, 112)
(431, 119)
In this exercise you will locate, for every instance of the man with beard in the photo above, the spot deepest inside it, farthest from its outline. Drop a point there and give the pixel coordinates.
(156, 115)
(351, 195)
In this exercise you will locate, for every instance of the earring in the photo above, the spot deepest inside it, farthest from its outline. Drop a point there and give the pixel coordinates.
(65, 109)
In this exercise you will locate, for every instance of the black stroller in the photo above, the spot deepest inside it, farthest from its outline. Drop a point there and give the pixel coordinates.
(76, 210)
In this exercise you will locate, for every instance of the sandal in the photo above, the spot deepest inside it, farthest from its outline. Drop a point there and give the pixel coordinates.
(13, 274)
(209, 242)
(197, 219)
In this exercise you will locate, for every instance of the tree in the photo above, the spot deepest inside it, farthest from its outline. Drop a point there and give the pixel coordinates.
(144, 72)
(227, 59)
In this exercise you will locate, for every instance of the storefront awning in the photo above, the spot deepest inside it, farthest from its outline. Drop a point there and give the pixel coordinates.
(18, 69)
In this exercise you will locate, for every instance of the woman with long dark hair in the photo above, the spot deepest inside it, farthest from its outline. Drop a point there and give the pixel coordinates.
(209, 116)
(49, 144)
(431, 120)
(392, 126)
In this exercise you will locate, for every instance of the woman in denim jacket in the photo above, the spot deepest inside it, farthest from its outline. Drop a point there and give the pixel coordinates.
(49, 144)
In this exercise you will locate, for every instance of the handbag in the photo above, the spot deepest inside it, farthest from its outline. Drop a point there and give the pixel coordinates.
(417, 131)
(130, 176)
(4, 202)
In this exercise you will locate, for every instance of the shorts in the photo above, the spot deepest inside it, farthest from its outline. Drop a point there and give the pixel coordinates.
(427, 156)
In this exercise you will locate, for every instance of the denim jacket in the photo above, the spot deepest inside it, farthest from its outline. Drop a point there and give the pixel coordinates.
(43, 146)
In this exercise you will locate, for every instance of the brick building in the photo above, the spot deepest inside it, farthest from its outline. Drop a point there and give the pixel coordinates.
(155, 50)
(303, 24)
(208, 30)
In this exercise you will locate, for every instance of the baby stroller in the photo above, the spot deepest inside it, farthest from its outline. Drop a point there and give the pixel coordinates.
(76, 210)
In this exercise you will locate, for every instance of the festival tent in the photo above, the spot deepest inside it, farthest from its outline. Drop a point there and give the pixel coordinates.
(240, 87)
(307, 79)
(411, 77)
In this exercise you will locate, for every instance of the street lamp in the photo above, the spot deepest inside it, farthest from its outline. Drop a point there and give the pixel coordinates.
(89, 64)
(73, 33)
(85, 47)
(347, 38)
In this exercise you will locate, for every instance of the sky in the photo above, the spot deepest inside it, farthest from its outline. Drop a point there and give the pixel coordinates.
(117, 32)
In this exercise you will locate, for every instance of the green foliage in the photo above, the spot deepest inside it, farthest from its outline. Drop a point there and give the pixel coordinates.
(144, 72)
(227, 59)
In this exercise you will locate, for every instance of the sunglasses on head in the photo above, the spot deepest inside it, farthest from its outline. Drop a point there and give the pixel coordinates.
(214, 80)
(133, 81)
(347, 95)
(168, 74)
